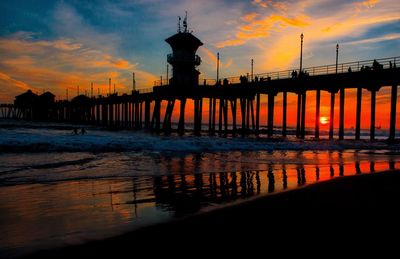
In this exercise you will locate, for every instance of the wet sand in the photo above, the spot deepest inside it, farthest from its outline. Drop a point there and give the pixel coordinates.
(283, 217)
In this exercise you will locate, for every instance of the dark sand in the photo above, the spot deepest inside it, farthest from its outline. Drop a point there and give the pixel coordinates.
(341, 209)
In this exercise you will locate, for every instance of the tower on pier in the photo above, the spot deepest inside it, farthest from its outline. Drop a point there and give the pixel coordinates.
(183, 58)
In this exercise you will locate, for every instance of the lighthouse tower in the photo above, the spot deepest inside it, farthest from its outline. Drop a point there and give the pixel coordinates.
(183, 58)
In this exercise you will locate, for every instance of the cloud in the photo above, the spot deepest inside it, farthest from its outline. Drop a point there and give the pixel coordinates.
(387, 37)
(211, 59)
(260, 28)
(7, 79)
(369, 3)
(60, 64)
(350, 19)
(277, 5)
(11, 87)
(80, 56)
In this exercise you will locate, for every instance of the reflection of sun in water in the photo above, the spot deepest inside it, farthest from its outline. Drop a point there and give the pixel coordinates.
(324, 120)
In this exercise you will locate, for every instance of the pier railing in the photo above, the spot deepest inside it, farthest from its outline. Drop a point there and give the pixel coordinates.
(355, 66)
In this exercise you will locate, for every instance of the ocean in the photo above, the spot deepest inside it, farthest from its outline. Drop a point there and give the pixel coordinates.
(59, 189)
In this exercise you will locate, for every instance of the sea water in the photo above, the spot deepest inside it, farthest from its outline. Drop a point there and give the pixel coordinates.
(58, 188)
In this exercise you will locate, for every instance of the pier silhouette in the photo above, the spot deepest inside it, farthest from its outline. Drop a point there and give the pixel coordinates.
(241, 95)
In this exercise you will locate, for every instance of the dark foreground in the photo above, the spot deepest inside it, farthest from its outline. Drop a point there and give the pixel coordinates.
(275, 219)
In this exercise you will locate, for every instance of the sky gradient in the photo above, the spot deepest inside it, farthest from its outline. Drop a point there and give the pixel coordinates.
(54, 45)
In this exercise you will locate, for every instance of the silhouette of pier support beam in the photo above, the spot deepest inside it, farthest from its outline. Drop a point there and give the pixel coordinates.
(234, 120)
(110, 114)
(213, 114)
(97, 114)
(253, 122)
(373, 112)
(271, 105)
(303, 114)
(117, 114)
(140, 115)
(198, 110)
(341, 115)
(137, 116)
(332, 116)
(298, 115)
(393, 104)
(226, 116)
(284, 115)
(200, 114)
(221, 109)
(181, 124)
(210, 112)
(358, 113)
(168, 116)
(247, 115)
(258, 104)
(133, 115)
(317, 113)
(128, 122)
(123, 114)
(104, 115)
(126, 114)
(155, 122)
(147, 114)
(243, 113)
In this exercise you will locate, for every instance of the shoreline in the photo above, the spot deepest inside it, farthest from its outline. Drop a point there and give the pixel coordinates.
(366, 191)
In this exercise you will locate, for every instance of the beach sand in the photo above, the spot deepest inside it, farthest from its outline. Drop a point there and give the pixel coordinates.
(317, 209)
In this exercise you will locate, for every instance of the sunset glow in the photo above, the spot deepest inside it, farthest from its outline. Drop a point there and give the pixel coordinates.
(324, 120)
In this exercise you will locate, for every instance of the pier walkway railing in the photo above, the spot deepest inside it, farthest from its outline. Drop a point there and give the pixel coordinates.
(354, 66)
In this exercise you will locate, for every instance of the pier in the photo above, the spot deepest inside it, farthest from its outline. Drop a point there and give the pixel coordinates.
(237, 99)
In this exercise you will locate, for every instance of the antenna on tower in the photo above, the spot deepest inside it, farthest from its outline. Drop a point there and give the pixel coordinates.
(185, 23)
(179, 24)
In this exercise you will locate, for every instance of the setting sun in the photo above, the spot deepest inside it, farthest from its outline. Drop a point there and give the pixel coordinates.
(324, 120)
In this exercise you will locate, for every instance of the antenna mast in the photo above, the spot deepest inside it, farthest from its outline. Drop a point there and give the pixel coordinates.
(179, 24)
(185, 23)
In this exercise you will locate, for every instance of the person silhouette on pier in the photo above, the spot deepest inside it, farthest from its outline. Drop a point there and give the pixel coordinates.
(83, 131)
(75, 131)
(376, 65)
(225, 82)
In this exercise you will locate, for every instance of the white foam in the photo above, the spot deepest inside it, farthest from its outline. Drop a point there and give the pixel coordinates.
(47, 140)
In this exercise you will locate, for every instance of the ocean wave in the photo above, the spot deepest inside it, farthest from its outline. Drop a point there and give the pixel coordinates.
(60, 138)
(107, 142)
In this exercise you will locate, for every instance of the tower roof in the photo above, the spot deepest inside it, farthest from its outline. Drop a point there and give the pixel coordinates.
(184, 40)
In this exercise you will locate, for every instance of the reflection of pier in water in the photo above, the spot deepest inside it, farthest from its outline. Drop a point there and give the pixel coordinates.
(188, 193)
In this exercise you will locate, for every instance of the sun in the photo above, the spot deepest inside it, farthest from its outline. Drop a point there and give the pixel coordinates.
(324, 120)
